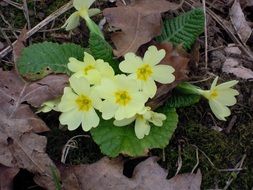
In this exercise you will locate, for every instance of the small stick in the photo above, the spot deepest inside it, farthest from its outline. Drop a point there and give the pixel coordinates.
(14, 4)
(238, 165)
(43, 23)
(206, 42)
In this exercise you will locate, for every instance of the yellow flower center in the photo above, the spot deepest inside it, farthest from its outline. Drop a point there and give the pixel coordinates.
(144, 72)
(122, 97)
(83, 12)
(84, 103)
(88, 68)
(214, 94)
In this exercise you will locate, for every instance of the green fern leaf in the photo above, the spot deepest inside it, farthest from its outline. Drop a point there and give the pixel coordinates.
(182, 100)
(101, 49)
(41, 59)
(183, 29)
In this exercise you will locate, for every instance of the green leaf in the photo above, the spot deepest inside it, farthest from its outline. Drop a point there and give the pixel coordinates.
(184, 28)
(182, 100)
(101, 49)
(115, 140)
(39, 60)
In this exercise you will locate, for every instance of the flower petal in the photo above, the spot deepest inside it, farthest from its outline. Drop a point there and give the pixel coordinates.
(106, 89)
(108, 109)
(214, 83)
(163, 74)
(81, 4)
(93, 11)
(219, 110)
(131, 63)
(75, 65)
(104, 68)
(153, 56)
(157, 118)
(89, 59)
(141, 128)
(124, 122)
(149, 88)
(96, 101)
(71, 118)
(227, 85)
(90, 119)
(80, 85)
(68, 100)
(227, 97)
(93, 76)
(72, 22)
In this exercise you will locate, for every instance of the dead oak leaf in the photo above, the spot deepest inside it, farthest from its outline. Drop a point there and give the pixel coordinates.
(239, 22)
(108, 174)
(20, 146)
(139, 23)
(6, 177)
(178, 59)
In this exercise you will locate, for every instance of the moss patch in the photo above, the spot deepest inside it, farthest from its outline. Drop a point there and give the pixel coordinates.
(223, 150)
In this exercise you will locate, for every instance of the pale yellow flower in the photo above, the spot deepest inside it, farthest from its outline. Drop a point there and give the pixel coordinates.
(83, 10)
(77, 105)
(93, 70)
(142, 120)
(122, 98)
(220, 96)
(146, 71)
(49, 106)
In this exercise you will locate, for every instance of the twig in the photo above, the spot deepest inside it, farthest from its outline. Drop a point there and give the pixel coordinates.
(43, 23)
(9, 25)
(229, 32)
(26, 13)
(14, 4)
(231, 178)
(206, 42)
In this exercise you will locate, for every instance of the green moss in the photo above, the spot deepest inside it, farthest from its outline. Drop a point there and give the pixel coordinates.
(224, 151)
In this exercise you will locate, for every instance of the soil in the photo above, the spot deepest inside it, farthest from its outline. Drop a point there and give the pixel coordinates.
(200, 141)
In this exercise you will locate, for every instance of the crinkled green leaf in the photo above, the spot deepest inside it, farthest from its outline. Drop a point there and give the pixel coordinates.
(184, 28)
(115, 140)
(182, 100)
(101, 49)
(41, 59)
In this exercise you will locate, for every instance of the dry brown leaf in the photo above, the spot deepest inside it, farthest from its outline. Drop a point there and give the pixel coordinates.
(232, 66)
(179, 61)
(19, 45)
(139, 23)
(108, 174)
(239, 22)
(20, 146)
(6, 177)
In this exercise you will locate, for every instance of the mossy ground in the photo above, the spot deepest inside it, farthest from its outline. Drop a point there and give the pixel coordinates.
(223, 150)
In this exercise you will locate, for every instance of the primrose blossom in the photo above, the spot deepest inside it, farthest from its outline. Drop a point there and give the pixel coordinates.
(49, 106)
(148, 70)
(93, 70)
(142, 120)
(78, 105)
(84, 11)
(122, 98)
(219, 97)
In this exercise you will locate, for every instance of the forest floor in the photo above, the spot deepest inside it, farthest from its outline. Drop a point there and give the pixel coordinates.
(223, 151)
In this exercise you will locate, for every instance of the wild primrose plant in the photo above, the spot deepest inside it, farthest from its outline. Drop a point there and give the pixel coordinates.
(110, 97)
